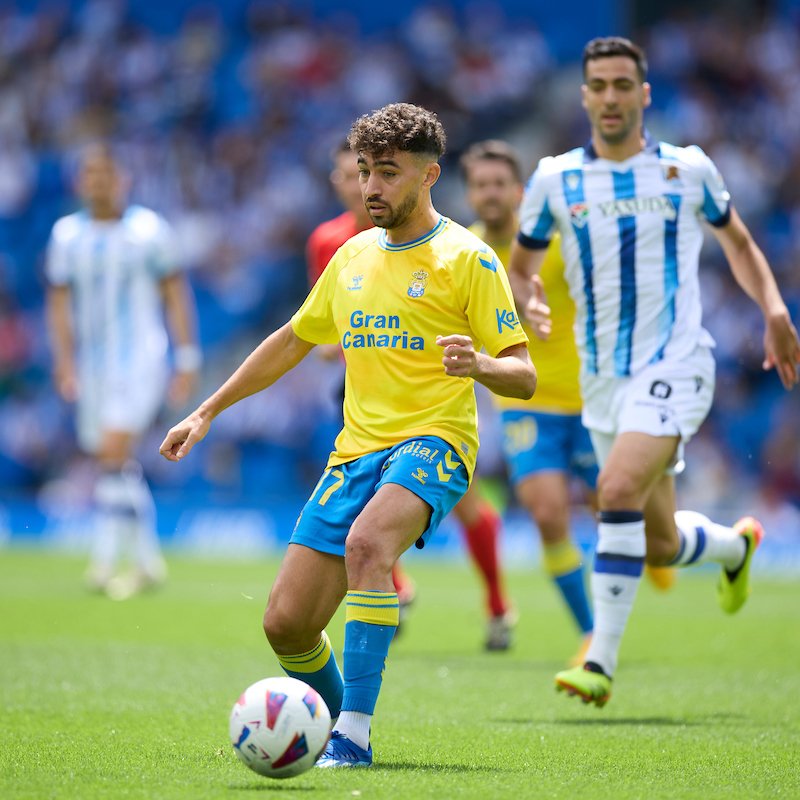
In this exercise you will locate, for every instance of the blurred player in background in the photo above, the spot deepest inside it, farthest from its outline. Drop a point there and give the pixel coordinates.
(480, 524)
(543, 439)
(113, 273)
(411, 301)
(629, 210)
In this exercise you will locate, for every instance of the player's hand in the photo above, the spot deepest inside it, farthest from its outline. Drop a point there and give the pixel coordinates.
(782, 348)
(459, 358)
(537, 312)
(184, 436)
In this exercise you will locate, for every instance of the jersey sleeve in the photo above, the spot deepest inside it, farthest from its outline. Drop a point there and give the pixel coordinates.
(716, 208)
(536, 221)
(164, 259)
(57, 268)
(490, 305)
(314, 321)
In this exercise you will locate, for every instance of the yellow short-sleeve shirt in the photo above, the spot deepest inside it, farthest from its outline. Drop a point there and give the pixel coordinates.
(386, 304)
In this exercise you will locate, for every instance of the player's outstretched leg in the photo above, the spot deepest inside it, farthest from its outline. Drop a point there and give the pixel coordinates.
(734, 586)
(702, 540)
(295, 620)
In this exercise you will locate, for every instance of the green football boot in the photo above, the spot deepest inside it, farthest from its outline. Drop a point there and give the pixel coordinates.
(734, 587)
(591, 687)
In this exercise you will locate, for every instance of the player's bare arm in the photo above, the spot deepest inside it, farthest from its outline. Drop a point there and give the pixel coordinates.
(275, 356)
(179, 309)
(59, 317)
(527, 287)
(510, 374)
(753, 274)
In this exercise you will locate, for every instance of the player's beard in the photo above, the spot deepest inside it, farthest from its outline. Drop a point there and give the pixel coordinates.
(393, 218)
(629, 122)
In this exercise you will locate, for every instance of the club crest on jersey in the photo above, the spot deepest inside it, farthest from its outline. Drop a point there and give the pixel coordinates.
(417, 284)
(671, 174)
(355, 283)
(579, 212)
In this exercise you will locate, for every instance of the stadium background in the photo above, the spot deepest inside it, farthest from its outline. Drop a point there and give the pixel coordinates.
(226, 113)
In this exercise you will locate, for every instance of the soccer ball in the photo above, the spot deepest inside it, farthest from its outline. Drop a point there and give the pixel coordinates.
(279, 727)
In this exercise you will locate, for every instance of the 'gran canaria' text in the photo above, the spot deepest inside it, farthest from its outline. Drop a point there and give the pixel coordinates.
(400, 339)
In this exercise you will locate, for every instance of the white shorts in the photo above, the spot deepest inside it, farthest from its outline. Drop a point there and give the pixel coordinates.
(669, 398)
(127, 404)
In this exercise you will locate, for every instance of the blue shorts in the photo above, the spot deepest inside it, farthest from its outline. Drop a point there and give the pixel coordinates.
(534, 441)
(426, 466)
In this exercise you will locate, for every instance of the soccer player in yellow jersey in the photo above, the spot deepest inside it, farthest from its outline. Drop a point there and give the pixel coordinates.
(412, 303)
(544, 440)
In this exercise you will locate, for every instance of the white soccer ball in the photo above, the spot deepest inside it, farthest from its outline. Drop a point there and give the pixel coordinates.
(279, 727)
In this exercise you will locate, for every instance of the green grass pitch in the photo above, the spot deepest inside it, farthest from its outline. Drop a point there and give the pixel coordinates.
(131, 699)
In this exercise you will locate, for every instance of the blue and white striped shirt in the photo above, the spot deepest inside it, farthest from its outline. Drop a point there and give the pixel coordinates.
(114, 269)
(631, 237)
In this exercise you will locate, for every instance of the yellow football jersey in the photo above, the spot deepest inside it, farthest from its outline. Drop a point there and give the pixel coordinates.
(556, 360)
(386, 304)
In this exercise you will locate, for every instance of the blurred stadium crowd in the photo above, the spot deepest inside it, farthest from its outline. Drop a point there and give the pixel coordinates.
(227, 126)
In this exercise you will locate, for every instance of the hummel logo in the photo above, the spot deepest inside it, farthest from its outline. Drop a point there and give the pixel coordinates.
(615, 590)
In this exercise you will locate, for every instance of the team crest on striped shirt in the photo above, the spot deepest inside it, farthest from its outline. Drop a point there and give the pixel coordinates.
(417, 284)
(579, 212)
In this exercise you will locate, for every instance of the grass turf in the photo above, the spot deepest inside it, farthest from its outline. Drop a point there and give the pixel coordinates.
(131, 699)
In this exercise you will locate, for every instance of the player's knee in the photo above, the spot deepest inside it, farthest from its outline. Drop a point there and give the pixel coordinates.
(618, 490)
(552, 522)
(283, 630)
(364, 554)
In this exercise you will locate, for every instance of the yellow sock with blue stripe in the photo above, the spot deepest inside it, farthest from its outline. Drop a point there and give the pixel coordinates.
(318, 668)
(563, 564)
(370, 624)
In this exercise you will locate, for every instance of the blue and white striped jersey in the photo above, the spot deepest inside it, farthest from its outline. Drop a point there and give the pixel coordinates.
(631, 238)
(114, 269)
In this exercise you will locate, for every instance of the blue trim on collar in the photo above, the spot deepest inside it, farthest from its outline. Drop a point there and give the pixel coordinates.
(426, 237)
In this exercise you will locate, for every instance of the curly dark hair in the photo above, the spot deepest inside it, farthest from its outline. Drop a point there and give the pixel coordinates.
(398, 127)
(609, 46)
